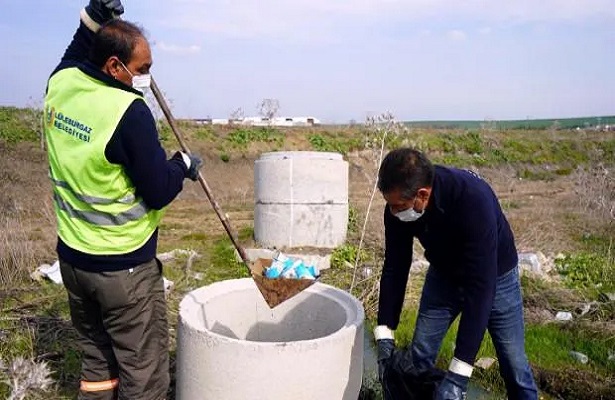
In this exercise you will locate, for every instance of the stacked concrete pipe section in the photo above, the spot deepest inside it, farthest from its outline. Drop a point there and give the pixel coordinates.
(301, 199)
(232, 346)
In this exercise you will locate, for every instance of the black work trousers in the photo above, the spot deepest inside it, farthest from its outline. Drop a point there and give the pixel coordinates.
(123, 331)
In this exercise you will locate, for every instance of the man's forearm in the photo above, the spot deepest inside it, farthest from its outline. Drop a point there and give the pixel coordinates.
(392, 293)
(473, 323)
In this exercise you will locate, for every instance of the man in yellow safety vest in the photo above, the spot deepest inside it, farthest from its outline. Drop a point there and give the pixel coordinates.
(111, 183)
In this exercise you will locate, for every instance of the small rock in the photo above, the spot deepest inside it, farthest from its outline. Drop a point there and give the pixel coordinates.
(563, 316)
(529, 262)
(611, 356)
(484, 362)
(580, 357)
(198, 276)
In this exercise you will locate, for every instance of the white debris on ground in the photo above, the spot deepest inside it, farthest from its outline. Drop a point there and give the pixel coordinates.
(168, 285)
(52, 272)
(485, 362)
(535, 265)
(563, 316)
(173, 254)
(320, 262)
(580, 357)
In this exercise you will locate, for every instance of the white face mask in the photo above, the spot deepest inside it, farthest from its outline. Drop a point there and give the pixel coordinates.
(139, 81)
(409, 215)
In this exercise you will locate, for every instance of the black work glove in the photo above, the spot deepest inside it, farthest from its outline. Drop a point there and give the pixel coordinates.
(385, 350)
(102, 11)
(193, 164)
(452, 387)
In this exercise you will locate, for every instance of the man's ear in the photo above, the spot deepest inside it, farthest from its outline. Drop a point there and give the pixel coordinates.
(112, 66)
(423, 193)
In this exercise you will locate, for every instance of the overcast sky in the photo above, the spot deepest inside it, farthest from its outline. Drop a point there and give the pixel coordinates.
(340, 60)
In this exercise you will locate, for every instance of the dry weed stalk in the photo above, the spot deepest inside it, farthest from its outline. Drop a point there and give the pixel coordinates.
(25, 377)
(596, 191)
(378, 128)
(17, 255)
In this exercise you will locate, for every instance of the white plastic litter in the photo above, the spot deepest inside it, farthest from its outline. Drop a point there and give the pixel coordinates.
(290, 268)
(168, 285)
(563, 316)
(580, 357)
(170, 255)
(485, 362)
(52, 272)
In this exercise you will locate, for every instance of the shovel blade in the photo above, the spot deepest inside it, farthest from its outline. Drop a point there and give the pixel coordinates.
(276, 291)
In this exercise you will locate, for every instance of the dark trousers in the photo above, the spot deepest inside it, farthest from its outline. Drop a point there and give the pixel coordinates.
(123, 331)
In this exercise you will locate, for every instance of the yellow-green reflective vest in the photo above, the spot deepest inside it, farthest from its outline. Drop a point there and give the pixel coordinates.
(96, 207)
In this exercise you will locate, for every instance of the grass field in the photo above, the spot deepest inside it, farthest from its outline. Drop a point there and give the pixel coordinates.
(557, 188)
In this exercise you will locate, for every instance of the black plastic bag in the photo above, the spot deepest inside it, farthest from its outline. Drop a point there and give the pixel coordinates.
(402, 381)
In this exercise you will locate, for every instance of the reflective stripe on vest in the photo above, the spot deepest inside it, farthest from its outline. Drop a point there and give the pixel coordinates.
(99, 386)
(100, 218)
(128, 199)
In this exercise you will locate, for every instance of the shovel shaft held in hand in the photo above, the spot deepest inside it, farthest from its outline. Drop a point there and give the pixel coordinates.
(222, 216)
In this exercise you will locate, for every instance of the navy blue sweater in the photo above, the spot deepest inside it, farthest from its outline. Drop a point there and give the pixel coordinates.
(135, 146)
(465, 236)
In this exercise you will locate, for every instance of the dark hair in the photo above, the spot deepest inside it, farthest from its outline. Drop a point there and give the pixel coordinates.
(405, 169)
(115, 38)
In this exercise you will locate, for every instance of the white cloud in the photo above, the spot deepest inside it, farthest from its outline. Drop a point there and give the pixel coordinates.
(176, 49)
(457, 35)
(324, 19)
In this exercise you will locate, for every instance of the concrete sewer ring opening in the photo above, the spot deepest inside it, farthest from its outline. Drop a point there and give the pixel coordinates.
(232, 346)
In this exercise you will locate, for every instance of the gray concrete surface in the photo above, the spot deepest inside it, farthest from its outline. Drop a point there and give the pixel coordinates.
(231, 345)
(301, 199)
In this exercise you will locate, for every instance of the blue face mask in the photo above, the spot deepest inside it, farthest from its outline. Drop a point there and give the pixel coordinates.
(409, 215)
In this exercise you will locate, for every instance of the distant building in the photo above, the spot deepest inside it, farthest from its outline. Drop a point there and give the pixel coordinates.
(261, 121)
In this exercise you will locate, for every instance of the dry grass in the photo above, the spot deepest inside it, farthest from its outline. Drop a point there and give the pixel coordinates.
(545, 216)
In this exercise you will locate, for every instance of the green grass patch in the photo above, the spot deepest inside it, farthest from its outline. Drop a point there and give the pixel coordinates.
(20, 124)
(224, 264)
(347, 254)
(590, 272)
(242, 137)
(335, 142)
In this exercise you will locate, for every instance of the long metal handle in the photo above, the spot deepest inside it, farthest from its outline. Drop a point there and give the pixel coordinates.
(222, 216)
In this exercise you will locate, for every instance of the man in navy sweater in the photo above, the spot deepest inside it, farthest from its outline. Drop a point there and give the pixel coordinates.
(111, 183)
(473, 272)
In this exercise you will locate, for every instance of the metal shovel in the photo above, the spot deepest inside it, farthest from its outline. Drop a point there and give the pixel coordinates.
(274, 291)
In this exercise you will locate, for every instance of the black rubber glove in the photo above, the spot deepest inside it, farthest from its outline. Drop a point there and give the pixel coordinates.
(385, 350)
(102, 11)
(191, 162)
(453, 387)
(195, 165)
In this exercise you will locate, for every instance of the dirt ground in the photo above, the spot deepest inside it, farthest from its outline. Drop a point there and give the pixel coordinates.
(543, 214)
